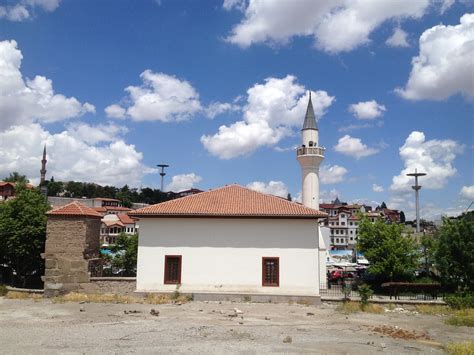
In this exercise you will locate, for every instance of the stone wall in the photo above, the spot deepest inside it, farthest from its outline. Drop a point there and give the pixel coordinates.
(70, 243)
(114, 285)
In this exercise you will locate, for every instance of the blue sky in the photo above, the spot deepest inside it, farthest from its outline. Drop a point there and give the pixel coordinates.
(250, 65)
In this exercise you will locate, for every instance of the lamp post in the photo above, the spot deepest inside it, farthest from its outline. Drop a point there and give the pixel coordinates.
(162, 173)
(417, 188)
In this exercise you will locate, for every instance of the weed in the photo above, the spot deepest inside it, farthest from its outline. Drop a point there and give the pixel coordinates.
(465, 348)
(3, 290)
(176, 293)
(433, 309)
(464, 317)
(247, 298)
(365, 293)
(354, 307)
(15, 295)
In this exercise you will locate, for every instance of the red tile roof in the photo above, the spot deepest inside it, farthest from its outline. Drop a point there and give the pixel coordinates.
(117, 208)
(229, 201)
(125, 218)
(74, 209)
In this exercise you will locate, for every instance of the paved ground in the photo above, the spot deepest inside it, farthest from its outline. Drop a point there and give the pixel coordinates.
(27, 326)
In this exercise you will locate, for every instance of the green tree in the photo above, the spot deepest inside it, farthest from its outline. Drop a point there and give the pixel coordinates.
(392, 256)
(383, 205)
(125, 250)
(16, 177)
(23, 233)
(455, 252)
(402, 217)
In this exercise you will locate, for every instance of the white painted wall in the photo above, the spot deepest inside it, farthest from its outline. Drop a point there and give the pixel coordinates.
(225, 255)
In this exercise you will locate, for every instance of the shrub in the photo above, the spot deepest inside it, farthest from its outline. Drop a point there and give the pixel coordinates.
(365, 293)
(460, 301)
(461, 318)
(3, 290)
(466, 348)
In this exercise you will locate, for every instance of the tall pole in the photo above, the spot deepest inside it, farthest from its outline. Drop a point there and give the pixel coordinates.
(417, 188)
(162, 173)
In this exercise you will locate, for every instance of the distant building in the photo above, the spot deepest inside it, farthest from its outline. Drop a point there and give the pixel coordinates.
(7, 190)
(102, 205)
(115, 224)
(192, 191)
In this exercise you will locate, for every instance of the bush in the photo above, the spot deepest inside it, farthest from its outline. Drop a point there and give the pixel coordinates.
(461, 301)
(3, 290)
(465, 348)
(365, 293)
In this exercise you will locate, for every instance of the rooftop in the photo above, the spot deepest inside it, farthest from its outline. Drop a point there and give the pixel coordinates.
(229, 201)
(74, 209)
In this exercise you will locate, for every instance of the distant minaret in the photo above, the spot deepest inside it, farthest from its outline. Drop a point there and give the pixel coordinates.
(43, 167)
(310, 155)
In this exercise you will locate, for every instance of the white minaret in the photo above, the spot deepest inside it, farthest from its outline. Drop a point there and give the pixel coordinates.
(310, 156)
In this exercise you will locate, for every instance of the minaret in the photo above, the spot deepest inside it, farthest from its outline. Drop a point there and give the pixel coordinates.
(43, 167)
(310, 155)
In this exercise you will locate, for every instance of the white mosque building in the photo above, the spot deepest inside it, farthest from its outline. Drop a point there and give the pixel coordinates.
(233, 242)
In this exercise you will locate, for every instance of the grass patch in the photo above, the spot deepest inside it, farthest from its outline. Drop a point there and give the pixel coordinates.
(150, 298)
(464, 317)
(434, 309)
(3, 290)
(15, 295)
(465, 348)
(354, 307)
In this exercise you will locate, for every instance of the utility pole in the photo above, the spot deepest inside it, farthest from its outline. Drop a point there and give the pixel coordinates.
(417, 188)
(162, 173)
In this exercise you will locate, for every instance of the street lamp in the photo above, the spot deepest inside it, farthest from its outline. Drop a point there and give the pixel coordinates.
(417, 188)
(162, 173)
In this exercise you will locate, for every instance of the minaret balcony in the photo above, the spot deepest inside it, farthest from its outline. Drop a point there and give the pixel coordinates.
(310, 151)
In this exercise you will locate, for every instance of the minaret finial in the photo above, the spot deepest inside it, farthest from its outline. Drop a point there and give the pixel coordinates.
(43, 167)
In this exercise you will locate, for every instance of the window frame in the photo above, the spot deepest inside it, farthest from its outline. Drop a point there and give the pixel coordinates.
(264, 259)
(172, 282)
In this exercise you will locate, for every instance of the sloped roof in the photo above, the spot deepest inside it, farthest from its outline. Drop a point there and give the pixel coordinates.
(310, 118)
(125, 218)
(74, 209)
(229, 201)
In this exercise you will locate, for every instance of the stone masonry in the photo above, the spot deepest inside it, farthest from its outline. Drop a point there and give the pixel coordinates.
(71, 241)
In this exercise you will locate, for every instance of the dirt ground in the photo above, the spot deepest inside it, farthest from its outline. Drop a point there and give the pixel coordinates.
(27, 326)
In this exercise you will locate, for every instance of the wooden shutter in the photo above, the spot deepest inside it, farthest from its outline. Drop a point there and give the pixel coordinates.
(271, 271)
(172, 269)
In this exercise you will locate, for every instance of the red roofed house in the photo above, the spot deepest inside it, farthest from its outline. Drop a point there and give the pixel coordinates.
(115, 224)
(7, 189)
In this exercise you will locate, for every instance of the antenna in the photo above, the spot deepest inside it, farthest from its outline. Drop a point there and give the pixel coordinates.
(417, 188)
(162, 174)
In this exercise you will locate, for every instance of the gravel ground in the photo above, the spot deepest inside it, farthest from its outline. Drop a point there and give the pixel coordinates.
(37, 327)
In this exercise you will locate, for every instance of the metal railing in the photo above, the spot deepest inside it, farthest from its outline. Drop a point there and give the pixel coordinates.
(310, 151)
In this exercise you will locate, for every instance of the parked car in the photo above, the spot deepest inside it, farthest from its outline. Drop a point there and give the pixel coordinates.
(336, 276)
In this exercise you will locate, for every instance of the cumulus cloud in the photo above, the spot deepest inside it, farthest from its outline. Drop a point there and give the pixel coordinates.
(354, 147)
(367, 110)
(183, 182)
(217, 108)
(96, 134)
(272, 110)
(399, 38)
(115, 111)
(433, 157)
(444, 66)
(234, 4)
(70, 157)
(332, 174)
(276, 188)
(161, 97)
(328, 196)
(23, 101)
(467, 192)
(20, 11)
(269, 21)
(377, 188)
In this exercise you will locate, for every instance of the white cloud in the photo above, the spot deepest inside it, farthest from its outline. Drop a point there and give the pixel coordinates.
(115, 111)
(31, 100)
(399, 38)
(70, 157)
(367, 110)
(217, 108)
(272, 110)
(183, 182)
(161, 97)
(377, 188)
(433, 157)
(354, 147)
(276, 188)
(328, 196)
(234, 4)
(467, 192)
(269, 21)
(20, 11)
(444, 66)
(332, 174)
(96, 134)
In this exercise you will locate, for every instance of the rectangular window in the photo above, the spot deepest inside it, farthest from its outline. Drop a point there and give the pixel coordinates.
(172, 269)
(271, 272)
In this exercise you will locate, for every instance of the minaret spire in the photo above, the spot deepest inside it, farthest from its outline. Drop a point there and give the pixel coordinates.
(310, 118)
(43, 167)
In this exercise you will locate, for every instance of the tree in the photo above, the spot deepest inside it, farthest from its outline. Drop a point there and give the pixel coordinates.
(23, 233)
(455, 252)
(402, 217)
(383, 205)
(392, 256)
(16, 177)
(126, 250)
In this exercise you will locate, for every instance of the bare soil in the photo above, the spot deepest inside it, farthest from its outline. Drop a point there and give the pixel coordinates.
(29, 326)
